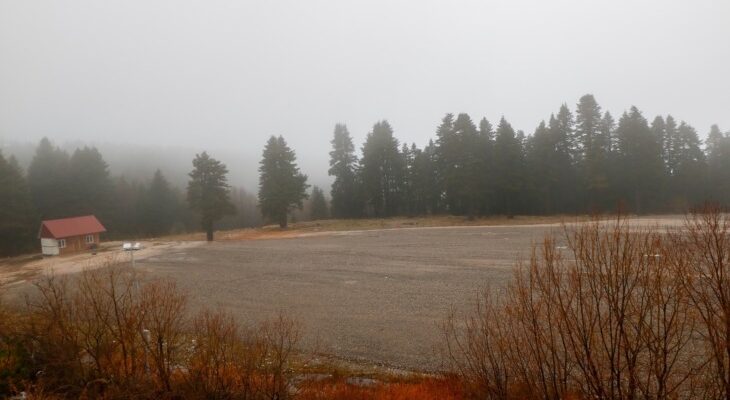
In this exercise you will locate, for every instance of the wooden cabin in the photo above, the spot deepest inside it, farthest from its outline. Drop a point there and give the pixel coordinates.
(70, 235)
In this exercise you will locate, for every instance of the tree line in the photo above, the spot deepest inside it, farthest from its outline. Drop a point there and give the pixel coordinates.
(59, 185)
(580, 161)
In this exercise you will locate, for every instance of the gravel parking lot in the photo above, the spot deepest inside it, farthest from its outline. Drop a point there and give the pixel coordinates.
(374, 296)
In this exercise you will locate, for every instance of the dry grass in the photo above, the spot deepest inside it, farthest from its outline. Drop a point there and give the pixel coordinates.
(299, 229)
(423, 389)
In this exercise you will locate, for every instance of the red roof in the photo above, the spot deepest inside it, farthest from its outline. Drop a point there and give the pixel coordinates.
(68, 227)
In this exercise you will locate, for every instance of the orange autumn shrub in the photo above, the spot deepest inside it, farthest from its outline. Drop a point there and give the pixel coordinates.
(426, 389)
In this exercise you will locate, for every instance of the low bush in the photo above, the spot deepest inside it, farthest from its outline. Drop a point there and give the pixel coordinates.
(106, 333)
(605, 311)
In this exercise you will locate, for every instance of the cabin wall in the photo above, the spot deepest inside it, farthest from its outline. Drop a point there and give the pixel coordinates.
(49, 247)
(74, 244)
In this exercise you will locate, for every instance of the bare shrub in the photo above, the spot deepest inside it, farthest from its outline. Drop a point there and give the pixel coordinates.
(609, 318)
(106, 333)
(103, 327)
(228, 361)
(163, 308)
(704, 265)
(278, 338)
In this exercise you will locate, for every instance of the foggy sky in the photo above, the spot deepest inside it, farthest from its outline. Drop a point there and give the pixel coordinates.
(224, 75)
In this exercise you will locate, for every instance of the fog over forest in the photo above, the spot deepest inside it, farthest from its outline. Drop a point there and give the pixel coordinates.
(151, 84)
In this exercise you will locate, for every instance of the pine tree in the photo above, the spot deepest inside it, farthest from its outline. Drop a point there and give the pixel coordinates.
(208, 192)
(428, 183)
(565, 195)
(563, 128)
(158, 207)
(607, 133)
(669, 151)
(408, 155)
(318, 204)
(17, 218)
(381, 169)
(690, 170)
(281, 186)
(90, 184)
(543, 176)
(508, 166)
(462, 158)
(485, 173)
(640, 163)
(718, 160)
(593, 164)
(343, 164)
(125, 219)
(49, 182)
(659, 130)
(587, 127)
(447, 158)
(670, 145)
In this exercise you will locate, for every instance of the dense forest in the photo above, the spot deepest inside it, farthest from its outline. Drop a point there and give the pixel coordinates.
(577, 162)
(581, 161)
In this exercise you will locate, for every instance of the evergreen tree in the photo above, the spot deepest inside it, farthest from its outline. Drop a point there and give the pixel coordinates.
(125, 200)
(508, 166)
(281, 186)
(343, 164)
(718, 160)
(670, 145)
(640, 163)
(595, 146)
(158, 207)
(319, 204)
(463, 157)
(426, 179)
(408, 199)
(49, 182)
(690, 169)
(17, 220)
(565, 195)
(563, 128)
(485, 166)
(381, 169)
(659, 130)
(587, 128)
(208, 192)
(543, 176)
(447, 154)
(607, 133)
(90, 184)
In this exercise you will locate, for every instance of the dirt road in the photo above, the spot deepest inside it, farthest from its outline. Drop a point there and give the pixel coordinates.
(372, 295)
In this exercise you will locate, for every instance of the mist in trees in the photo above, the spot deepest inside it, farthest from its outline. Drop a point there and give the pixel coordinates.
(318, 204)
(17, 217)
(580, 160)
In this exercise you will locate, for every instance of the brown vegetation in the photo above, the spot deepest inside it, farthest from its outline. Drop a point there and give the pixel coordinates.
(108, 334)
(607, 312)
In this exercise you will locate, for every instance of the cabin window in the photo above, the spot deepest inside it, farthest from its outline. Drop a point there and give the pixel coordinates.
(61, 243)
(89, 238)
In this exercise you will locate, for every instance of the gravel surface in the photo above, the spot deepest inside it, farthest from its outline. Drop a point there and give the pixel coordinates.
(373, 296)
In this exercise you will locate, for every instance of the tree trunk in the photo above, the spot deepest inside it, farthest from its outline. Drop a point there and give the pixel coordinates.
(282, 221)
(208, 227)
